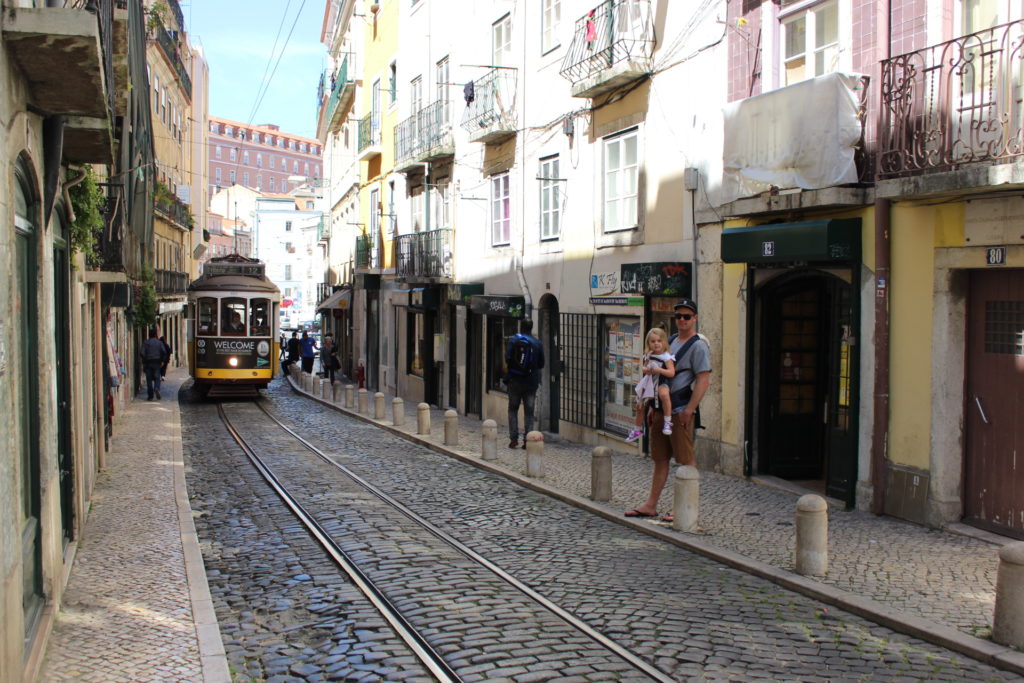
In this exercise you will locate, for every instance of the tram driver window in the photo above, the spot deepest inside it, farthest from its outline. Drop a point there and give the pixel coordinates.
(234, 316)
(259, 317)
(207, 318)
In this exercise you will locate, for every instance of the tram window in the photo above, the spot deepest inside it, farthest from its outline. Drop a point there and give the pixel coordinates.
(259, 317)
(207, 318)
(234, 316)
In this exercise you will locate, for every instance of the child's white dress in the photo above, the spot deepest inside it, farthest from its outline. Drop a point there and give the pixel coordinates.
(648, 386)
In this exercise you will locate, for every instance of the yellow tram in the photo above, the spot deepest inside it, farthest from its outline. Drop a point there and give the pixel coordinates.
(232, 329)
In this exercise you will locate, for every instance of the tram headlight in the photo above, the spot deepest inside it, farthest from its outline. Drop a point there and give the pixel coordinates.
(233, 361)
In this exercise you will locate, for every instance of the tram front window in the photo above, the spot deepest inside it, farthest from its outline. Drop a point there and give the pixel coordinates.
(259, 318)
(207, 317)
(234, 317)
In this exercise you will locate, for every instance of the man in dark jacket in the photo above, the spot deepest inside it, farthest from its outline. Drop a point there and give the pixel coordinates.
(293, 352)
(154, 354)
(523, 379)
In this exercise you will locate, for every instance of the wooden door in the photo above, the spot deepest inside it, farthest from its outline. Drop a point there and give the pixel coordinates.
(993, 466)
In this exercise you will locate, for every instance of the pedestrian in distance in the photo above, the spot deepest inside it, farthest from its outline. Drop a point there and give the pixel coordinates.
(329, 358)
(294, 353)
(524, 359)
(309, 347)
(167, 351)
(692, 359)
(154, 354)
(653, 391)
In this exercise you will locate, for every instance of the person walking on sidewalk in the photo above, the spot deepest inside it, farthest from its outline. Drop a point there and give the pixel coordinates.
(329, 358)
(524, 358)
(309, 347)
(154, 355)
(693, 377)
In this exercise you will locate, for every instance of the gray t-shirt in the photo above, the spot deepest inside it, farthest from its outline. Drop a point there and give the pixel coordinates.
(696, 360)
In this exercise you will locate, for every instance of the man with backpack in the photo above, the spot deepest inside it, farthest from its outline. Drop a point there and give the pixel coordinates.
(154, 353)
(692, 379)
(524, 358)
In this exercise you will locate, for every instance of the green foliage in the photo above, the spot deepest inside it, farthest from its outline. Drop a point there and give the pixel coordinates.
(157, 15)
(86, 203)
(145, 299)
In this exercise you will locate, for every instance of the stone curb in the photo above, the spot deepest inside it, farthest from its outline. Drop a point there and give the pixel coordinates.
(984, 651)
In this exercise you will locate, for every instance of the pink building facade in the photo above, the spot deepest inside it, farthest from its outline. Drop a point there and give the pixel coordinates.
(260, 157)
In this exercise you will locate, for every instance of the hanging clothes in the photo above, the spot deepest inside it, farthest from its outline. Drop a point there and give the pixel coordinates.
(468, 91)
(591, 35)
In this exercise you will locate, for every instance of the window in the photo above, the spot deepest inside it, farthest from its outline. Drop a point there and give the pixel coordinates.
(416, 96)
(245, 157)
(245, 179)
(374, 225)
(811, 43)
(416, 344)
(231, 177)
(287, 272)
(259, 161)
(272, 184)
(551, 17)
(392, 82)
(207, 316)
(259, 317)
(441, 83)
(501, 208)
(295, 167)
(216, 151)
(498, 332)
(620, 181)
(440, 203)
(305, 169)
(392, 218)
(287, 226)
(374, 111)
(501, 41)
(233, 154)
(259, 182)
(257, 137)
(309, 205)
(416, 209)
(550, 200)
(273, 163)
(233, 316)
(217, 175)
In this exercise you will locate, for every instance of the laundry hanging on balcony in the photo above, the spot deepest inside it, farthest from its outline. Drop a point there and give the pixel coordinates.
(591, 35)
(468, 91)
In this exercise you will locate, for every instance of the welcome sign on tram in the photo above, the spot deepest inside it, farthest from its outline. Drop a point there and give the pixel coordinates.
(248, 353)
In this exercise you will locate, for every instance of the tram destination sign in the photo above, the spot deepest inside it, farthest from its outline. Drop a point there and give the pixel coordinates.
(247, 269)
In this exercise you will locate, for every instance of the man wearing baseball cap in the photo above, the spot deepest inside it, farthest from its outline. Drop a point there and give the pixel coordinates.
(692, 379)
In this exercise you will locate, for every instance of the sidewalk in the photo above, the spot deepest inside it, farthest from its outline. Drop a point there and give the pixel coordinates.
(938, 586)
(137, 606)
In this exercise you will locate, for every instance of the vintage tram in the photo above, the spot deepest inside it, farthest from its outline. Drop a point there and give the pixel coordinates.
(232, 330)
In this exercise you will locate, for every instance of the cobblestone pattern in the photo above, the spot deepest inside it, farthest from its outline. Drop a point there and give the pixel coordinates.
(690, 616)
(128, 596)
(284, 611)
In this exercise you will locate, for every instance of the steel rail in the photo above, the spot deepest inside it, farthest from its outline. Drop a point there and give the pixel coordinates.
(569, 618)
(430, 658)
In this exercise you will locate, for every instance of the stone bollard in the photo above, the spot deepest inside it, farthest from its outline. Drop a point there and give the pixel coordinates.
(812, 535)
(423, 418)
(686, 498)
(364, 401)
(535, 455)
(307, 382)
(398, 411)
(378, 406)
(349, 394)
(489, 446)
(338, 391)
(451, 428)
(601, 474)
(325, 389)
(1008, 622)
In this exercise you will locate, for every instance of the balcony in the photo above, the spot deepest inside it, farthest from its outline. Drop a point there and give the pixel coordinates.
(955, 106)
(173, 209)
(339, 99)
(171, 282)
(368, 252)
(66, 57)
(169, 46)
(612, 45)
(491, 116)
(323, 230)
(424, 256)
(369, 137)
(423, 137)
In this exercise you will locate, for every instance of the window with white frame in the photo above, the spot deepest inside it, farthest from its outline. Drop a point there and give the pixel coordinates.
(216, 151)
(374, 224)
(550, 199)
(392, 218)
(245, 157)
(501, 41)
(245, 179)
(273, 163)
(392, 82)
(621, 171)
(217, 175)
(416, 209)
(441, 83)
(233, 154)
(231, 177)
(501, 210)
(271, 184)
(810, 41)
(259, 161)
(550, 20)
(441, 202)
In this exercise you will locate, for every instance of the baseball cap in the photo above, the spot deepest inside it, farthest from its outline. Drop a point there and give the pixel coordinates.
(686, 303)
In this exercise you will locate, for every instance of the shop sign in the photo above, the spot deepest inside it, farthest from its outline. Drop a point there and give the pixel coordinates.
(496, 305)
(604, 283)
(616, 301)
(657, 279)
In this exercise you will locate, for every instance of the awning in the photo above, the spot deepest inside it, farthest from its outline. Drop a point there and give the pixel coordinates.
(341, 300)
(832, 240)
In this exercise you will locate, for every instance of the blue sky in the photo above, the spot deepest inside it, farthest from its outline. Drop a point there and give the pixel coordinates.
(238, 38)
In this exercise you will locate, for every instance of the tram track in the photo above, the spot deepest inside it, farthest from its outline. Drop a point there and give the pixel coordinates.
(439, 595)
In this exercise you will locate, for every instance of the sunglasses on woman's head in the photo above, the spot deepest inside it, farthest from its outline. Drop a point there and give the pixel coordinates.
(684, 316)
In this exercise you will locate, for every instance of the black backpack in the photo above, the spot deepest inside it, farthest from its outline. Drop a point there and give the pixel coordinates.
(520, 358)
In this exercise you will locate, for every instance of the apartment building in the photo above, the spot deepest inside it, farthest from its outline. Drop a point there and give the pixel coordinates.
(260, 157)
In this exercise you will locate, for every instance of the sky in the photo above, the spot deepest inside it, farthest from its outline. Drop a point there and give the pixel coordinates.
(243, 41)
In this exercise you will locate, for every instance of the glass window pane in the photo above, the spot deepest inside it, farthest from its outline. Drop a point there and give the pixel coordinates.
(826, 25)
(612, 155)
(630, 150)
(796, 37)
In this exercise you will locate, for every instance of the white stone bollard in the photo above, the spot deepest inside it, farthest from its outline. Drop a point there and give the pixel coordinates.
(338, 391)
(535, 455)
(397, 411)
(378, 406)
(364, 401)
(686, 498)
(1008, 621)
(325, 389)
(811, 535)
(601, 474)
(489, 438)
(451, 428)
(350, 390)
(423, 418)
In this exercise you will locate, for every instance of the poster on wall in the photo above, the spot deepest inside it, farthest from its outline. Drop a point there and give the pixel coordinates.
(623, 348)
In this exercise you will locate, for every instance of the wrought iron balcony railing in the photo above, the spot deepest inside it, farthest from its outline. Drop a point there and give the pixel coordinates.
(614, 32)
(369, 132)
(425, 255)
(338, 97)
(408, 142)
(174, 209)
(368, 251)
(170, 48)
(171, 282)
(492, 112)
(424, 136)
(953, 104)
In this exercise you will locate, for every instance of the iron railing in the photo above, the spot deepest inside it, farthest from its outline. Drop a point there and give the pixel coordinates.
(425, 135)
(171, 282)
(613, 32)
(170, 47)
(408, 141)
(368, 251)
(954, 103)
(581, 372)
(494, 98)
(425, 254)
(369, 132)
(174, 209)
(339, 80)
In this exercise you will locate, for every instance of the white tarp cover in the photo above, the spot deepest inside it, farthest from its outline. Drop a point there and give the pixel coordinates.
(800, 136)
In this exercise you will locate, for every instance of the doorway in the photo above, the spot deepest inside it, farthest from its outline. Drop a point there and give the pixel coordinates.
(549, 338)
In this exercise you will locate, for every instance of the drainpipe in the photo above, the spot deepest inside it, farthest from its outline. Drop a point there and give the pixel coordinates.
(527, 299)
(883, 247)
